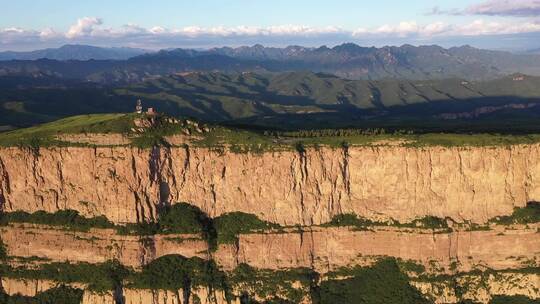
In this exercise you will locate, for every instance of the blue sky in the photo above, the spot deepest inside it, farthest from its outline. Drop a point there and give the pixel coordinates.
(174, 13)
(26, 24)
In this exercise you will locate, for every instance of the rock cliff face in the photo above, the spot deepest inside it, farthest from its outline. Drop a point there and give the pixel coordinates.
(322, 249)
(128, 184)
(31, 287)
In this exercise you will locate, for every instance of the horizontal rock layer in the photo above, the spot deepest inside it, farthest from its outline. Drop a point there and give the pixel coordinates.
(475, 287)
(322, 249)
(288, 187)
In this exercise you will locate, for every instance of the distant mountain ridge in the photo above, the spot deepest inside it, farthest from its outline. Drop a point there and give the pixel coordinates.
(75, 52)
(348, 60)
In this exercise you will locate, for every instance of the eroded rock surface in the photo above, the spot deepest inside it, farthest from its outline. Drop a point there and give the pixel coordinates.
(128, 184)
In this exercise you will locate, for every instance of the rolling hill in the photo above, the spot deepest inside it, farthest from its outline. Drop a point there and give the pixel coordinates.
(296, 99)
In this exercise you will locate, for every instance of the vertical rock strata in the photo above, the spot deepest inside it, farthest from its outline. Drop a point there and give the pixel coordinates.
(128, 184)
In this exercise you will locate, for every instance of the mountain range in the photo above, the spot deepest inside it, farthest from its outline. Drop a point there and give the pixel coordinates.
(286, 100)
(74, 52)
(347, 61)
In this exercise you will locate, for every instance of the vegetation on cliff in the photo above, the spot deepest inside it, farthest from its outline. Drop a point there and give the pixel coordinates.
(98, 277)
(174, 272)
(382, 283)
(528, 214)
(58, 295)
(67, 219)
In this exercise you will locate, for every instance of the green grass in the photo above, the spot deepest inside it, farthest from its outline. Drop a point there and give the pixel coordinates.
(239, 140)
(44, 135)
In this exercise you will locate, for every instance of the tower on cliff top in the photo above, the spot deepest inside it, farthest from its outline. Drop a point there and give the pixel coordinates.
(138, 107)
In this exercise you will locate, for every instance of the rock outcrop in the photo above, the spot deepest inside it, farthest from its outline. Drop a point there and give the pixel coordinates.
(322, 249)
(127, 184)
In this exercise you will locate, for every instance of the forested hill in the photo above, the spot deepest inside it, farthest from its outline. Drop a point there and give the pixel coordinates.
(280, 100)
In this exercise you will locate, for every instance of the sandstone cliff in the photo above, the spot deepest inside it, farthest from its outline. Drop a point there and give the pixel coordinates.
(322, 249)
(127, 184)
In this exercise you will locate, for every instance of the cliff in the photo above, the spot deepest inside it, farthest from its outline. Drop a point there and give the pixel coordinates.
(321, 249)
(128, 184)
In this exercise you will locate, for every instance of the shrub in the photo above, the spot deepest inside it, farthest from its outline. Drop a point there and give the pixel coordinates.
(383, 283)
(526, 215)
(67, 218)
(184, 218)
(3, 251)
(99, 277)
(173, 272)
(229, 225)
(272, 283)
(349, 219)
(59, 295)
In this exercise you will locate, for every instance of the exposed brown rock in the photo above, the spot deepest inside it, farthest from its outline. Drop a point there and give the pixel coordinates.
(127, 184)
(322, 249)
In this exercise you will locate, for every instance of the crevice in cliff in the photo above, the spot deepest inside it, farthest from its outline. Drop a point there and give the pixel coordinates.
(345, 170)
(139, 209)
(214, 198)
(60, 175)
(118, 294)
(154, 164)
(303, 178)
(5, 187)
(187, 289)
(148, 249)
(187, 164)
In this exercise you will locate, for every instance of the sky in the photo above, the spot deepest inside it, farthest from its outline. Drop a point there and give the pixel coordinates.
(157, 24)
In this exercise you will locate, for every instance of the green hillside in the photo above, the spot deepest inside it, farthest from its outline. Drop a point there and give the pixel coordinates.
(292, 100)
(126, 130)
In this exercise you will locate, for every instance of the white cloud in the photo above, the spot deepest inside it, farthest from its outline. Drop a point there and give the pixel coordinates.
(516, 8)
(49, 33)
(526, 8)
(84, 26)
(482, 27)
(91, 30)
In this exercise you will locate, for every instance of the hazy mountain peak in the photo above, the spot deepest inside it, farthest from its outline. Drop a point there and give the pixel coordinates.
(74, 52)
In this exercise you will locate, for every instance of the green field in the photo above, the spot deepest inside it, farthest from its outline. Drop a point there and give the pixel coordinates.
(240, 140)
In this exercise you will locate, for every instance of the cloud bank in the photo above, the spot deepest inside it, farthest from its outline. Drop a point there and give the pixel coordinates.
(92, 30)
(508, 8)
